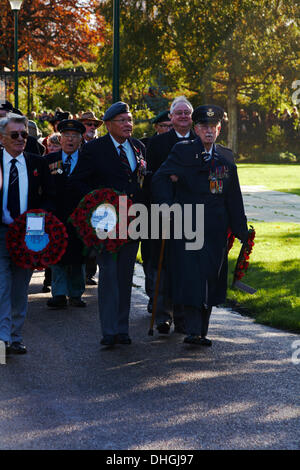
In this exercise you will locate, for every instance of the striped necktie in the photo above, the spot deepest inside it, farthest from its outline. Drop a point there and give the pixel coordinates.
(124, 160)
(13, 195)
(67, 165)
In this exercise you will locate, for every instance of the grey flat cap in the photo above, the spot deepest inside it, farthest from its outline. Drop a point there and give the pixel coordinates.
(115, 109)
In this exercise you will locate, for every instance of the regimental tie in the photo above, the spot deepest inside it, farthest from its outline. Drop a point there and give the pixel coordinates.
(124, 160)
(13, 195)
(67, 165)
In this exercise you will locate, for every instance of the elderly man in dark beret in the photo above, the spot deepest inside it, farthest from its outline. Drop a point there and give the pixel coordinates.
(205, 177)
(68, 276)
(114, 161)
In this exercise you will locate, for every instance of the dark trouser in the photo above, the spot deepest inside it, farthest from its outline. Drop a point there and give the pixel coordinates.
(91, 267)
(197, 320)
(165, 310)
(48, 277)
(114, 290)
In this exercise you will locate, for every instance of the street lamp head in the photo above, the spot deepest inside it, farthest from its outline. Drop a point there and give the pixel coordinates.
(15, 4)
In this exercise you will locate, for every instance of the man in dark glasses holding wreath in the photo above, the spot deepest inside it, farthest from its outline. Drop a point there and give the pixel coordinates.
(25, 184)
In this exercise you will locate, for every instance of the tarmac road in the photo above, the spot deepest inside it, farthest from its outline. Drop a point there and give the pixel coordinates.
(68, 392)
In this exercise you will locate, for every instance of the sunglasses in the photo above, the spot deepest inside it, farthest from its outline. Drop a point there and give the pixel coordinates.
(14, 135)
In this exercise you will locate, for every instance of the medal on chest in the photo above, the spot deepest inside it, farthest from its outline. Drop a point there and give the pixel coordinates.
(216, 177)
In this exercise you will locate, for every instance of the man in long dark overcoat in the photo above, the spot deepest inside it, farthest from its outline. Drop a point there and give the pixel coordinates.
(198, 277)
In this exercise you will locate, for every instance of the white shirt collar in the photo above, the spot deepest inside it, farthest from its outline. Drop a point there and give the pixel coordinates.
(7, 158)
(187, 135)
(117, 144)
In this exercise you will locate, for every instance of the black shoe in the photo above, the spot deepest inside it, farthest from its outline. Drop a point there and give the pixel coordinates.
(76, 302)
(205, 341)
(150, 305)
(179, 328)
(164, 328)
(16, 348)
(123, 339)
(198, 340)
(46, 289)
(90, 281)
(108, 340)
(57, 302)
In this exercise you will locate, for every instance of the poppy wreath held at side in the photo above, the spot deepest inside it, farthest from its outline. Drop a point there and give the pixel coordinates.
(53, 246)
(84, 218)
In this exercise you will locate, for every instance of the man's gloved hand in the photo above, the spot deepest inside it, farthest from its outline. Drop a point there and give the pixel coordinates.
(243, 236)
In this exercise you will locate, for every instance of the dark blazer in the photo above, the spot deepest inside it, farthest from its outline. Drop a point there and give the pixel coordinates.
(159, 147)
(40, 185)
(100, 166)
(33, 146)
(64, 206)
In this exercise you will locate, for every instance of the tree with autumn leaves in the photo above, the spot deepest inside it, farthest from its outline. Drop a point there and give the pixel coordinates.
(52, 31)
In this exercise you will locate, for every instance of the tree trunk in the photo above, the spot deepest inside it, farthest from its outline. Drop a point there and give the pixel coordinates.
(232, 110)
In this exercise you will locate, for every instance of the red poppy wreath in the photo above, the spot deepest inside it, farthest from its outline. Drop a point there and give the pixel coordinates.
(101, 220)
(36, 252)
(244, 255)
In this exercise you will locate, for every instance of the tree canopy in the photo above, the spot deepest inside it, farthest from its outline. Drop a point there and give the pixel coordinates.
(52, 31)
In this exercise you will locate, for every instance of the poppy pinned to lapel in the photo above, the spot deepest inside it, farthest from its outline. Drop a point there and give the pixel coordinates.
(35, 172)
(141, 166)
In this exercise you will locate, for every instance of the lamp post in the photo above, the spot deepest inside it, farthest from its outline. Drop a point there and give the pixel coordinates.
(116, 53)
(15, 6)
(29, 60)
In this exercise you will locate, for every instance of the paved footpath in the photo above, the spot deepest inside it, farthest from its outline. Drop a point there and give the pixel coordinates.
(158, 393)
(262, 204)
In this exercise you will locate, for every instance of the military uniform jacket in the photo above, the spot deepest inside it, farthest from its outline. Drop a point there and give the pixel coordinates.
(40, 186)
(199, 277)
(101, 166)
(64, 206)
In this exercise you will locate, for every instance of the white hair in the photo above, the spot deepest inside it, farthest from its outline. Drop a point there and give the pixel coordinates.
(180, 99)
(12, 117)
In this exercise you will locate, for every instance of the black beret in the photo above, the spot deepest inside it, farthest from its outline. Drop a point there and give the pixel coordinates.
(208, 113)
(115, 109)
(6, 106)
(71, 125)
(161, 117)
(60, 116)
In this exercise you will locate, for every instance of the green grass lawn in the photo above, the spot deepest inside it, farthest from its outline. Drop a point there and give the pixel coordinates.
(284, 178)
(274, 270)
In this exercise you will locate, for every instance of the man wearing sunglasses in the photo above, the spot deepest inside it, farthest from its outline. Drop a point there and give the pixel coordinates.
(91, 124)
(32, 144)
(26, 184)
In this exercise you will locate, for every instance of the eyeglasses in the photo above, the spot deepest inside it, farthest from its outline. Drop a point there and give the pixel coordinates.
(180, 113)
(14, 135)
(169, 126)
(123, 121)
(71, 136)
(90, 124)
